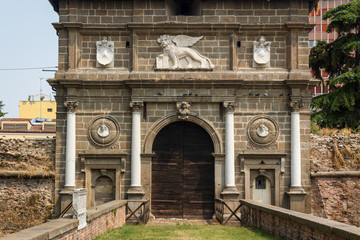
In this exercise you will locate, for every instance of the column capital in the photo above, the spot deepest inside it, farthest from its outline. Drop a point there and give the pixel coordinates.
(136, 106)
(71, 105)
(296, 104)
(230, 106)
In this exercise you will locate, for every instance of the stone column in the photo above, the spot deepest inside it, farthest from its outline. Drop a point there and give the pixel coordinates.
(296, 192)
(71, 107)
(230, 191)
(135, 189)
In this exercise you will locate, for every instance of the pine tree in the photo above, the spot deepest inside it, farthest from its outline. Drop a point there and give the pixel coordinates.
(1, 112)
(340, 60)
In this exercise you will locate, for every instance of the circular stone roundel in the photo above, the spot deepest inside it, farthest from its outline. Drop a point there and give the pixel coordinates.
(262, 130)
(103, 130)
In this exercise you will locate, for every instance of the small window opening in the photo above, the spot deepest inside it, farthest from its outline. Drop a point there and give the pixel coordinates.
(260, 182)
(184, 7)
(49, 109)
(238, 44)
(127, 44)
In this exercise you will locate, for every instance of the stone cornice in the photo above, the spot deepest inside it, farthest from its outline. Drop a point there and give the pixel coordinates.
(201, 26)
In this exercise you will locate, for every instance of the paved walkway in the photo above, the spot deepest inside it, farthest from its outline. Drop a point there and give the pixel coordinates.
(181, 221)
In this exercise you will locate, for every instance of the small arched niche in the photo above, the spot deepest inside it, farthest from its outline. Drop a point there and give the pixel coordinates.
(104, 190)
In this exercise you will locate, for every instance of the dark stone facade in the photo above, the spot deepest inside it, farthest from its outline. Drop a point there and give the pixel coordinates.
(229, 29)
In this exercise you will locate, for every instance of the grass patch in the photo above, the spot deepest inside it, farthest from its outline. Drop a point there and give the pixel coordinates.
(184, 231)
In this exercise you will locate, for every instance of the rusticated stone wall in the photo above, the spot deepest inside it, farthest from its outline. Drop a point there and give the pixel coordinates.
(335, 166)
(26, 183)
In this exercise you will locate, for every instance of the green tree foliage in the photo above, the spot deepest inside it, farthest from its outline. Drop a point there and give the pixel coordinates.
(1, 112)
(340, 59)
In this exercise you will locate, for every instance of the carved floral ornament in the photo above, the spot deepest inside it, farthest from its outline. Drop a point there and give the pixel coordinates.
(296, 105)
(71, 105)
(103, 130)
(136, 106)
(230, 106)
(262, 130)
(178, 54)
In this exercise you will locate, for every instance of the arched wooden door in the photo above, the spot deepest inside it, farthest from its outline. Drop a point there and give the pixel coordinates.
(183, 172)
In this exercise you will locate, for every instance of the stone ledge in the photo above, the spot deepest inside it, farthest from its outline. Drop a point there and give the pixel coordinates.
(328, 226)
(336, 174)
(97, 211)
(26, 174)
(45, 231)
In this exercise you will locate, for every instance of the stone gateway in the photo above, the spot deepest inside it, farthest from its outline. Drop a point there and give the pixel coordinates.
(183, 104)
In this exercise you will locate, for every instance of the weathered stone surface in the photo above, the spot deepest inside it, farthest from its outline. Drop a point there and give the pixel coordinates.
(26, 183)
(335, 196)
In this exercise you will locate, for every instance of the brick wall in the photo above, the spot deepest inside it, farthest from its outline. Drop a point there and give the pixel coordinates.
(99, 220)
(112, 218)
(286, 224)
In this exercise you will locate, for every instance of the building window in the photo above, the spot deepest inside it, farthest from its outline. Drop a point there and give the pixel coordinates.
(12, 126)
(49, 127)
(185, 7)
(49, 109)
(260, 182)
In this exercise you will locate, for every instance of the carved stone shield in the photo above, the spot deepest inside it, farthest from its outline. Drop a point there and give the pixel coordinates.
(105, 52)
(261, 56)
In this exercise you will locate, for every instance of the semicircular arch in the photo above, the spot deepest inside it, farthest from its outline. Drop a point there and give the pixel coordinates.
(161, 123)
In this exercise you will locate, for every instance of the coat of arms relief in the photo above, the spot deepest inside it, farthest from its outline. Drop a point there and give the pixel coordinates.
(178, 54)
(105, 53)
(261, 53)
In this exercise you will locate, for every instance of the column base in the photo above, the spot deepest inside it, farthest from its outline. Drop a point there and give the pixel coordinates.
(66, 197)
(297, 199)
(135, 193)
(230, 192)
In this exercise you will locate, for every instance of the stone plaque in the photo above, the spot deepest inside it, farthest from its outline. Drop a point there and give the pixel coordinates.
(262, 130)
(103, 130)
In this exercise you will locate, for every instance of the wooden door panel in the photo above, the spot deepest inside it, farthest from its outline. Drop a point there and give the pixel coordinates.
(183, 172)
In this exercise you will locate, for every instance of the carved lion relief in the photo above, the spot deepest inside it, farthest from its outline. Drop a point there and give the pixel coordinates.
(178, 54)
(262, 131)
(103, 131)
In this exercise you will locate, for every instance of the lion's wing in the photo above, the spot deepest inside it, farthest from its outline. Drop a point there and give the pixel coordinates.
(185, 41)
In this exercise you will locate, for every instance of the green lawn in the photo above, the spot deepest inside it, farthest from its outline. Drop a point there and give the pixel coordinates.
(184, 231)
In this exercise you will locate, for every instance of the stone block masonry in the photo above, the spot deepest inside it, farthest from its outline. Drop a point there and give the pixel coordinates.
(100, 219)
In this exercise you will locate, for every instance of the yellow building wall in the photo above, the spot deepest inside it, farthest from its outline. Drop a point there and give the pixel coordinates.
(34, 109)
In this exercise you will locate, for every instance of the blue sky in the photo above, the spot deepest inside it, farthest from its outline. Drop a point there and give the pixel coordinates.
(27, 40)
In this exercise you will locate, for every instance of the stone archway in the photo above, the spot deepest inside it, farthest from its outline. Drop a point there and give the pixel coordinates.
(158, 125)
(183, 172)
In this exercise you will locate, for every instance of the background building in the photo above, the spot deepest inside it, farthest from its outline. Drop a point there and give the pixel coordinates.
(34, 109)
(319, 32)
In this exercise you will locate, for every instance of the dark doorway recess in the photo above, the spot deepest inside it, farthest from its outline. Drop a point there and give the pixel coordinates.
(183, 172)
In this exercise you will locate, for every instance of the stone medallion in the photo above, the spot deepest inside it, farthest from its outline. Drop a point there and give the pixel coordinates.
(103, 130)
(262, 130)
